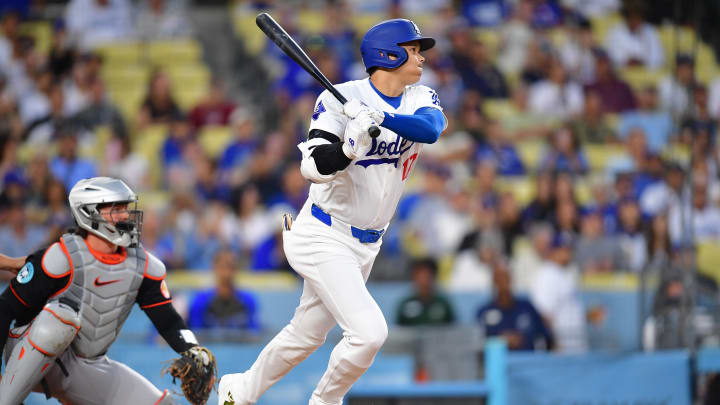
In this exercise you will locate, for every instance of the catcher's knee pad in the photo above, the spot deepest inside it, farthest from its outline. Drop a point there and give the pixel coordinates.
(165, 399)
(50, 334)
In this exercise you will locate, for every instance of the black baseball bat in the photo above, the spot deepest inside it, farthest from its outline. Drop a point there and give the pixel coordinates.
(282, 39)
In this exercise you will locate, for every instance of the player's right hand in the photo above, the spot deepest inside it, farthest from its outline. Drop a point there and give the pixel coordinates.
(355, 107)
(357, 140)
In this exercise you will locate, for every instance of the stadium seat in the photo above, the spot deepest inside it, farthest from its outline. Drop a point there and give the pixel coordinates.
(148, 143)
(245, 28)
(123, 77)
(676, 39)
(499, 109)
(121, 53)
(601, 25)
(639, 77)
(189, 96)
(522, 188)
(490, 38)
(41, 31)
(189, 75)
(530, 152)
(312, 21)
(214, 140)
(708, 259)
(174, 53)
(598, 155)
(128, 101)
(363, 22)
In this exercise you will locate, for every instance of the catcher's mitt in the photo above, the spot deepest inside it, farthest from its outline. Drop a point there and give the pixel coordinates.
(196, 368)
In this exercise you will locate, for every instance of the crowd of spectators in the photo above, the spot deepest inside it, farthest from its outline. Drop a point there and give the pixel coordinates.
(511, 191)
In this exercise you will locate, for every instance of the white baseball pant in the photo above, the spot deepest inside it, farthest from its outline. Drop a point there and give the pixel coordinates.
(335, 267)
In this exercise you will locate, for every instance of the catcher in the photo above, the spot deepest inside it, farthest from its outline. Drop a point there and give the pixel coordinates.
(70, 300)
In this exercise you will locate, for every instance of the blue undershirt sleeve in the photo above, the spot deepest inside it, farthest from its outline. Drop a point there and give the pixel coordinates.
(424, 126)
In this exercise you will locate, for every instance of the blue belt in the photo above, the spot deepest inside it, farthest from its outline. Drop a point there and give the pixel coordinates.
(363, 235)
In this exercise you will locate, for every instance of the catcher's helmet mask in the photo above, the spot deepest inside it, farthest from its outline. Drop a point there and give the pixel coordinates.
(89, 196)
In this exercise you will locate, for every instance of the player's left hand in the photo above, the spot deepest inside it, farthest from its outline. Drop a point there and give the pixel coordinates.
(357, 139)
(354, 107)
(196, 369)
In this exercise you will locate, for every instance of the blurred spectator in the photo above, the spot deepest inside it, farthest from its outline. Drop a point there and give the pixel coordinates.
(591, 126)
(542, 206)
(566, 220)
(96, 22)
(664, 196)
(675, 90)
(714, 98)
(514, 319)
(556, 294)
(449, 85)
(698, 220)
(635, 157)
(615, 93)
(633, 41)
(235, 160)
(485, 13)
(123, 162)
(162, 19)
(40, 130)
(526, 262)
(631, 236)
(515, 38)
(480, 74)
(179, 136)
(62, 54)
(224, 306)
(509, 221)
(38, 176)
(602, 202)
(9, 156)
(78, 91)
(655, 123)
(33, 96)
(207, 183)
(425, 306)
(546, 13)
(556, 97)
(212, 231)
(253, 224)
(17, 236)
(58, 218)
(596, 252)
(659, 247)
(100, 111)
(485, 187)
(13, 191)
(499, 150)
(293, 192)
(10, 123)
(577, 50)
(540, 55)
(9, 32)
(564, 153)
(67, 166)
(216, 109)
(159, 106)
(472, 270)
(339, 34)
(594, 8)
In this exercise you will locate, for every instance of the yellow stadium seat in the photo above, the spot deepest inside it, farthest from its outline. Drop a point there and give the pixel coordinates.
(601, 25)
(155, 199)
(499, 109)
(598, 155)
(214, 140)
(639, 77)
(194, 75)
(708, 259)
(188, 97)
(175, 52)
(676, 39)
(128, 101)
(41, 31)
(311, 21)
(583, 193)
(246, 29)
(124, 77)
(677, 152)
(522, 188)
(530, 152)
(490, 38)
(148, 143)
(363, 22)
(121, 53)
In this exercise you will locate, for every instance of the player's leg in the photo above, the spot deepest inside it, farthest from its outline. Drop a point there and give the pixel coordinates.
(103, 381)
(301, 337)
(32, 355)
(341, 282)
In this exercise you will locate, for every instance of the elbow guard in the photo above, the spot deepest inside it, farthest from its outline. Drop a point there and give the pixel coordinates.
(308, 168)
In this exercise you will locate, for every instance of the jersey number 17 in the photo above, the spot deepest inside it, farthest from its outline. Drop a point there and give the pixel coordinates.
(407, 165)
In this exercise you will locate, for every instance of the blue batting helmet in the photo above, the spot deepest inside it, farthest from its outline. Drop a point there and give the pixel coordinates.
(383, 39)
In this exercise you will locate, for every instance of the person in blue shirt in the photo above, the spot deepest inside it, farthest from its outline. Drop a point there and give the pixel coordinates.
(67, 167)
(512, 318)
(498, 149)
(224, 306)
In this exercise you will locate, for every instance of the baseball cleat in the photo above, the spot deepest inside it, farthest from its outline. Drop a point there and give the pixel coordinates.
(225, 396)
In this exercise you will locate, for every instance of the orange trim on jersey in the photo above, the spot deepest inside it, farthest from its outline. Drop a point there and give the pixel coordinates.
(157, 304)
(39, 349)
(72, 268)
(42, 264)
(22, 353)
(164, 394)
(45, 367)
(108, 258)
(17, 296)
(147, 264)
(12, 335)
(60, 319)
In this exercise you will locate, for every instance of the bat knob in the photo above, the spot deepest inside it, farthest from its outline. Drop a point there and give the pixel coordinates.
(374, 131)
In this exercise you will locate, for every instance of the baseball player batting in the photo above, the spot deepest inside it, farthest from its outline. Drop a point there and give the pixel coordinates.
(70, 300)
(357, 183)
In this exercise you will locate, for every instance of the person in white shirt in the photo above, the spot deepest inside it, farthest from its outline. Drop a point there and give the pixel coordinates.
(357, 183)
(674, 90)
(556, 295)
(92, 23)
(635, 42)
(557, 97)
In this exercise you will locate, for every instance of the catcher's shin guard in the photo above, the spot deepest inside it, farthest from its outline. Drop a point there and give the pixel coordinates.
(50, 334)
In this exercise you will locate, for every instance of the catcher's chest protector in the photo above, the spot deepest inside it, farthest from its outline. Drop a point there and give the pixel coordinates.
(106, 293)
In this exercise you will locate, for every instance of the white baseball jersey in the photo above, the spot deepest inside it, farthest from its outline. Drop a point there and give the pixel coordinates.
(367, 192)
